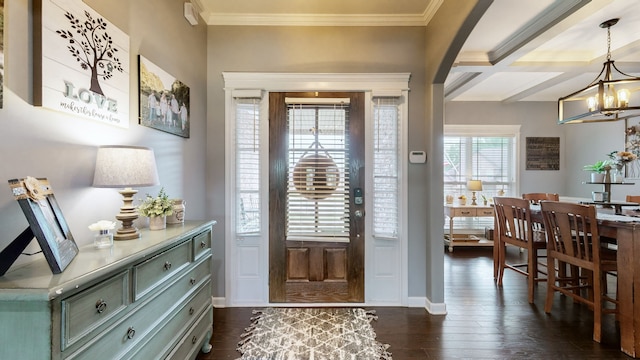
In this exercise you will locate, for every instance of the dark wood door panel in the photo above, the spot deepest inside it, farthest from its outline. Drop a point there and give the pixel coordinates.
(314, 271)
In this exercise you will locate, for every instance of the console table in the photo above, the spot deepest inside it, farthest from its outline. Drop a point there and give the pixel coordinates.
(148, 298)
(453, 211)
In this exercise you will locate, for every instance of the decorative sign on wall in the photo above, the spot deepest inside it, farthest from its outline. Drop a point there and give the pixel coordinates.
(543, 153)
(81, 62)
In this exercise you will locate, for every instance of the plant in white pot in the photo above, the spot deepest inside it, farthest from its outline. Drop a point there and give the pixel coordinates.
(597, 170)
(156, 209)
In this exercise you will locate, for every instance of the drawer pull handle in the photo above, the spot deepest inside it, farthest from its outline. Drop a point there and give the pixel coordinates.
(191, 311)
(466, 212)
(101, 306)
(194, 339)
(131, 333)
(167, 265)
(203, 244)
(192, 281)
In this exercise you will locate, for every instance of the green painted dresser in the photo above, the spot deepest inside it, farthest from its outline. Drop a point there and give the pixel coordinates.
(143, 299)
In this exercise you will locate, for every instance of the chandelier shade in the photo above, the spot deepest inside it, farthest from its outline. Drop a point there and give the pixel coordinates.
(607, 98)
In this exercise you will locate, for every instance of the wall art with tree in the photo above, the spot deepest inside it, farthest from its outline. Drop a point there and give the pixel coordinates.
(81, 62)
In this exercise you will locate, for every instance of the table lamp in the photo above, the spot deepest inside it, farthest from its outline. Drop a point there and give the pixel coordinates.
(125, 167)
(473, 186)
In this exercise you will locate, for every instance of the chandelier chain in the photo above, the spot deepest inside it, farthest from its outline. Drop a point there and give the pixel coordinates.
(608, 43)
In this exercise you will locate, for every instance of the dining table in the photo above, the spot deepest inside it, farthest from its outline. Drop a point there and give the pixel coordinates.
(624, 227)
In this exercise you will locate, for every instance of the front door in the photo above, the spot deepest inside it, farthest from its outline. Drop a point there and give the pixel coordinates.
(316, 192)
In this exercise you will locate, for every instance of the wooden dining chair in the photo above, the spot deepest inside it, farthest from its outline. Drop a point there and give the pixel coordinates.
(535, 198)
(513, 218)
(572, 238)
(633, 198)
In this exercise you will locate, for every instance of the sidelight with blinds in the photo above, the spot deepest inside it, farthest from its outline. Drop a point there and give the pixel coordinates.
(318, 167)
(247, 149)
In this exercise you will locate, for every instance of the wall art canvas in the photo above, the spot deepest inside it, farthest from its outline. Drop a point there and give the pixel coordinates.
(632, 145)
(164, 100)
(543, 153)
(1, 53)
(81, 62)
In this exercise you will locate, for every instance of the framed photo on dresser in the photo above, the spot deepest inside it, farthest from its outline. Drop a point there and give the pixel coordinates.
(46, 222)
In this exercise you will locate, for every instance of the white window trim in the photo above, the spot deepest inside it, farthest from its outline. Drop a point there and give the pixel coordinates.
(491, 130)
(377, 83)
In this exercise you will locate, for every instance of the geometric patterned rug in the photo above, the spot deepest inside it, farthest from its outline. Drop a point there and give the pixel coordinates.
(312, 334)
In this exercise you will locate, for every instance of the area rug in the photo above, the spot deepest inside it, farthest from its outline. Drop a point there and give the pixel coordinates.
(312, 334)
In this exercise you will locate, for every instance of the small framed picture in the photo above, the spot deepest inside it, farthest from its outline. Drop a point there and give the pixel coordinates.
(46, 221)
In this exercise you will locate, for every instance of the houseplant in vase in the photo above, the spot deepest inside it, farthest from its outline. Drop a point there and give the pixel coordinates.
(597, 170)
(156, 209)
(618, 161)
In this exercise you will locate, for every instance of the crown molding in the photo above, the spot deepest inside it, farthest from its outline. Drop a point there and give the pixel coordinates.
(324, 19)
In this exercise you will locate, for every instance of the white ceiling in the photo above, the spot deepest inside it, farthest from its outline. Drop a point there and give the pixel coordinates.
(521, 50)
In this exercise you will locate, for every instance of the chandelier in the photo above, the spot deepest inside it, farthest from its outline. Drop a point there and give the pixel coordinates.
(606, 98)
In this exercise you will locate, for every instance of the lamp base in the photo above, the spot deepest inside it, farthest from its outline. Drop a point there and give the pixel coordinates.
(473, 198)
(127, 215)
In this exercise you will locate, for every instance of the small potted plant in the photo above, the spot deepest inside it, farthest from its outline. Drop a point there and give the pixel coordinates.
(156, 209)
(597, 170)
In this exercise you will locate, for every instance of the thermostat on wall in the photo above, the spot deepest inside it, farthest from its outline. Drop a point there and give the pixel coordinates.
(417, 157)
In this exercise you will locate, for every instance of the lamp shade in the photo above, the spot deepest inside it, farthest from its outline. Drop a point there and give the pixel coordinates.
(125, 166)
(474, 185)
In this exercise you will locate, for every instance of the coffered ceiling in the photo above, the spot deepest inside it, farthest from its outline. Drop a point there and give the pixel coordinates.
(520, 50)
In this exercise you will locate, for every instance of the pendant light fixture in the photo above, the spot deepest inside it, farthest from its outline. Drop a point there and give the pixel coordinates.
(606, 98)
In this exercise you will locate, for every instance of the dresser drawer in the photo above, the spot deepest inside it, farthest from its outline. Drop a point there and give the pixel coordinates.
(191, 343)
(463, 212)
(87, 310)
(120, 338)
(484, 212)
(149, 274)
(170, 332)
(201, 244)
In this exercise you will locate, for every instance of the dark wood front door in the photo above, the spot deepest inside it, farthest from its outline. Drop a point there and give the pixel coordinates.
(316, 187)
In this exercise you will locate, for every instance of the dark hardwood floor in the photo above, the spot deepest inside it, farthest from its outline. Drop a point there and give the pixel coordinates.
(483, 321)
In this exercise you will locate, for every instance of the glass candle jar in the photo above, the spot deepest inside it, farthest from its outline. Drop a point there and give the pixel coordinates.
(103, 239)
(178, 212)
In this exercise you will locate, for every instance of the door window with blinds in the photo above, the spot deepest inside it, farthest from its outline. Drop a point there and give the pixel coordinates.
(318, 167)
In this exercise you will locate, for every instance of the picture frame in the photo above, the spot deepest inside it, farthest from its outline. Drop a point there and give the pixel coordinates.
(632, 144)
(542, 153)
(46, 222)
(164, 100)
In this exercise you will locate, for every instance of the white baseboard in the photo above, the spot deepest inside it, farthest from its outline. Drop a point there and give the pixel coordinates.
(414, 302)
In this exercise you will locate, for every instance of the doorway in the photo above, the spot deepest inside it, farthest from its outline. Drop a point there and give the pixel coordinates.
(316, 192)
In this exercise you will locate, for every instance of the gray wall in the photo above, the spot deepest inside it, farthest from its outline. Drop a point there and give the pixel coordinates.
(580, 144)
(537, 119)
(43, 143)
(318, 49)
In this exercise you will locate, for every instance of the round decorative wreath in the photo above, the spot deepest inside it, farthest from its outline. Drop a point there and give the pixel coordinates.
(316, 176)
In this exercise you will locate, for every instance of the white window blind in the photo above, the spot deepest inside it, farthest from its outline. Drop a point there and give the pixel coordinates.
(489, 158)
(318, 184)
(247, 146)
(385, 167)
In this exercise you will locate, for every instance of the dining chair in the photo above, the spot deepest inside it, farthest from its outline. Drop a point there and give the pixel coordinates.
(535, 198)
(513, 218)
(572, 238)
(633, 198)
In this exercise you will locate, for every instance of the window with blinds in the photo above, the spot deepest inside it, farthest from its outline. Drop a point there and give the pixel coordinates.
(386, 195)
(318, 163)
(247, 145)
(490, 159)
